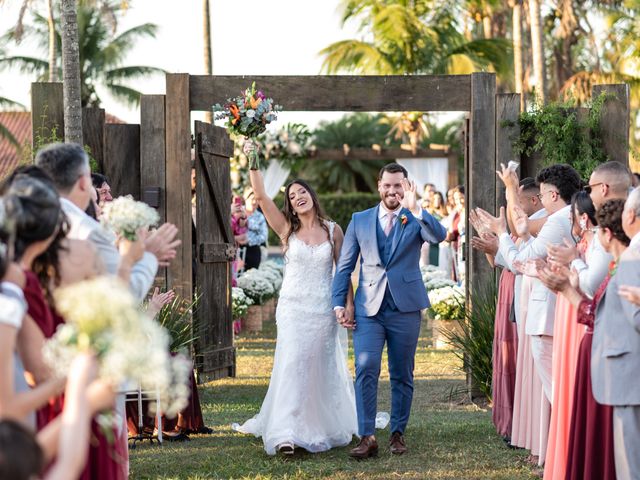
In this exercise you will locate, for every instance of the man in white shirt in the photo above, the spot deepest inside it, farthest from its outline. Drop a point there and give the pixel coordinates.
(557, 183)
(68, 166)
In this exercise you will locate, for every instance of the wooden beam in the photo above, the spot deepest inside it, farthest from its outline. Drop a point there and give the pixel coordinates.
(178, 171)
(122, 159)
(371, 93)
(93, 120)
(152, 152)
(507, 130)
(47, 113)
(614, 122)
(481, 187)
(367, 154)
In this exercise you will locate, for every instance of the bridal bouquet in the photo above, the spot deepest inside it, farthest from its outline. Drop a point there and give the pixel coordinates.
(447, 303)
(125, 216)
(103, 317)
(248, 115)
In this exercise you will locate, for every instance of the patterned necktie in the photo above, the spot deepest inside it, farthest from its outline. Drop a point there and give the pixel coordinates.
(390, 216)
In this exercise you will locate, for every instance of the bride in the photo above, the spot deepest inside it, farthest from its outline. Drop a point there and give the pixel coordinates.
(310, 402)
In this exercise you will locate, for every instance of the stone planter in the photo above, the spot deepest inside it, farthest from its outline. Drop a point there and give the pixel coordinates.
(253, 320)
(440, 328)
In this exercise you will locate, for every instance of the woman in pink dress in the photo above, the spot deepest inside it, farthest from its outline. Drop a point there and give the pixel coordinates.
(568, 333)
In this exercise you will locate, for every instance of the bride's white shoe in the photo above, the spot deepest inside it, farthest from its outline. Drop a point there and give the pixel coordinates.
(286, 448)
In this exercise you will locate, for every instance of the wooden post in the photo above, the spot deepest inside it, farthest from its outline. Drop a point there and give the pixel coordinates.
(507, 129)
(481, 187)
(614, 122)
(122, 159)
(47, 113)
(153, 161)
(93, 120)
(178, 171)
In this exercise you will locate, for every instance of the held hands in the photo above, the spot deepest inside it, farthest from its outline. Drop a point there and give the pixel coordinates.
(409, 200)
(345, 317)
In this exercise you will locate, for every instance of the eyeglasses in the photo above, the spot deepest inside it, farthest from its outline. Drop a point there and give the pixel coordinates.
(589, 188)
(540, 195)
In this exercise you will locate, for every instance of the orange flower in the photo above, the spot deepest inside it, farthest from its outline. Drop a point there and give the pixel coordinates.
(234, 111)
(253, 102)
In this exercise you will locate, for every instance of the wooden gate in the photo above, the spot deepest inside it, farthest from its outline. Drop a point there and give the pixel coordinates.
(214, 251)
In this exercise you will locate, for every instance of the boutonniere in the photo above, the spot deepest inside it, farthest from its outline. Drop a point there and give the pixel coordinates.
(403, 219)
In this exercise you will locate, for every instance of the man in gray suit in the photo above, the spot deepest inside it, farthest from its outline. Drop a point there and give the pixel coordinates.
(68, 166)
(615, 353)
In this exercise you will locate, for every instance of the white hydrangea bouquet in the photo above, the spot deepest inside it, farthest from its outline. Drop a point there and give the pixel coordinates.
(272, 276)
(125, 216)
(103, 317)
(240, 303)
(256, 286)
(448, 303)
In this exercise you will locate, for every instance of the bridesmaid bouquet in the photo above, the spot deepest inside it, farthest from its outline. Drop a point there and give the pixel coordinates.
(125, 216)
(102, 317)
(248, 115)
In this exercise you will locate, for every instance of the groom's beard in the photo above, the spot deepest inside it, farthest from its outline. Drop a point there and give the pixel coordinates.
(390, 202)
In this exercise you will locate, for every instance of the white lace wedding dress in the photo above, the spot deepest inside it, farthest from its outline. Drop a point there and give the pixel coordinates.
(310, 401)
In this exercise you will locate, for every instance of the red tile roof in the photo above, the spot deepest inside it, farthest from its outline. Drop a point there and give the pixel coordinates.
(19, 124)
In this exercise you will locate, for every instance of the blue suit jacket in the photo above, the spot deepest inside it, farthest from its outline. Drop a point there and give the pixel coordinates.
(402, 270)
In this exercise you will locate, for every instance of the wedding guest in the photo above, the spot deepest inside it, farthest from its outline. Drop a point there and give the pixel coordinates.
(101, 184)
(635, 181)
(568, 333)
(257, 231)
(557, 183)
(590, 448)
(68, 166)
(616, 349)
(608, 181)
(437, 209)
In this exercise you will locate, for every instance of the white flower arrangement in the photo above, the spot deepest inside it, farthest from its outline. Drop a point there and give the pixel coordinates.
(124, 216)
(273, 265)
(103, 317)
(272, 276)
(256, 285)
(240, 303)
(448, 303)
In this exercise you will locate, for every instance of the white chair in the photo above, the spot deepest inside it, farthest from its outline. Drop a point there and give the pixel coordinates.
(150, 395)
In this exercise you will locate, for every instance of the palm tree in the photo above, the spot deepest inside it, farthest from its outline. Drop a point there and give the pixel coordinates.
(208, 63)
(101, 55)
(71, 72)
(6, 103)
(418, 36)
(537, 50)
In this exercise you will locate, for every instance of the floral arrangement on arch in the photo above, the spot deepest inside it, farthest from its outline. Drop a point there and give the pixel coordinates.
(448, 303)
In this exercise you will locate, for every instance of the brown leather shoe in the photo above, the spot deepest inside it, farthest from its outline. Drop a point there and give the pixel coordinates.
(396, 444)
(368, 447)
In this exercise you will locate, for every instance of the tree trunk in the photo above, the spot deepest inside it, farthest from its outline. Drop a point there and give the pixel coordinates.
(517, 50)
(71, 72)
(208, 63)
(537, 48)
(486, 26)
(53, 67)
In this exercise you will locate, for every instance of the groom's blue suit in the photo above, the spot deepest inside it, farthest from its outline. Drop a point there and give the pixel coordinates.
(388, 302)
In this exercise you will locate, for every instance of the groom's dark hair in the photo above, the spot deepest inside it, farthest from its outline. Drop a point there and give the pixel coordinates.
(392, 168)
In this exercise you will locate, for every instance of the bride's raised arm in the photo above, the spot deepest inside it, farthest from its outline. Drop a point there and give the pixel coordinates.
(272, 213)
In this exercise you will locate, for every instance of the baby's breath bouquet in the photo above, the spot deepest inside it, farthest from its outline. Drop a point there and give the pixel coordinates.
(447, 303)
(103, 317)
(240, 303)
(124, 216)
(248, 115)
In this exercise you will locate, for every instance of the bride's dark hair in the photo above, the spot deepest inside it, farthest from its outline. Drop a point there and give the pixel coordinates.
(292, 217)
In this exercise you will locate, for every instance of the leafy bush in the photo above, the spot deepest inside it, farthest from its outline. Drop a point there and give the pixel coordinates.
(474, 344)
(181, 321)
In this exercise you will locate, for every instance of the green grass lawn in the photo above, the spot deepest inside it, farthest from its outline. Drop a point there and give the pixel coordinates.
(448, 437)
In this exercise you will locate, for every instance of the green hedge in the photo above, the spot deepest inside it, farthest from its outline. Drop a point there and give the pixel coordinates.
(337, 206)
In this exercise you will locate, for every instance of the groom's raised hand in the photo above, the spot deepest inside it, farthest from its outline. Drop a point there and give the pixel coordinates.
(410, 198)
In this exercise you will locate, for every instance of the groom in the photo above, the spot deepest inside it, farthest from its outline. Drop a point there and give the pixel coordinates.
(388, 301)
